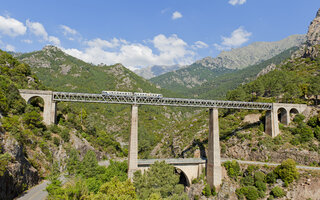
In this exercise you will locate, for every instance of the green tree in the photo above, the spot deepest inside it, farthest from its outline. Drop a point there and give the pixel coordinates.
(287, 171)
(159, 178)
(233, 168)
(278, 192)
(4, 160)
(73, 162)
(116, 190)
(250, 192)
(89, 165)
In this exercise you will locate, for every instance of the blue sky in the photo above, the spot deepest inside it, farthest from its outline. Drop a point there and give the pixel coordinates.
(140, 33)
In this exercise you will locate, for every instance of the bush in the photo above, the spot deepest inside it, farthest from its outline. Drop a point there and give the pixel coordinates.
(303, 132)
(159, 178)
(233, 168)
(261, 186)
(299, 118)
(259, 176)
(206, 191)
(247, 180)
(250, 192)
(271, 177)
(313, 121)
(65, 135)
(4, 159)
(278, 192)
(287, 171)
(317, 132)
(56, 141)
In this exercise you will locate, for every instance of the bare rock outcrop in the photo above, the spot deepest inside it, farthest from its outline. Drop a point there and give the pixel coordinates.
(20, 174)
(313, 36)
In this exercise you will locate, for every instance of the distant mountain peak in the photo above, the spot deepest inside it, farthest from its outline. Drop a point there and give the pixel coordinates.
(254, 53)
(313, 36)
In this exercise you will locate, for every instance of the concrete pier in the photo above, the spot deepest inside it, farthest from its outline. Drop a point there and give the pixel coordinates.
(133, 143)
(214, 170)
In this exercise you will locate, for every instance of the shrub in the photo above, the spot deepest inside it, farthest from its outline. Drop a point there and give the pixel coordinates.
(259, 176)
(4, 159)
(287, 171)
(65, 135)
(247, 180)
(206, 191)
(313, 121)
(299, 118)
(261, 186)
(56, 141)
(159, 178)
(317, 132)
(250, 192)
(278, 192)
(233, 168)
(271, 177)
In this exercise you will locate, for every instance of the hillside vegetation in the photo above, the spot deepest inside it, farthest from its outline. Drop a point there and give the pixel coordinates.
(207, 72)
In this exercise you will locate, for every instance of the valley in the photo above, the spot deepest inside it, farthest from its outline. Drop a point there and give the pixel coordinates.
(257, 107)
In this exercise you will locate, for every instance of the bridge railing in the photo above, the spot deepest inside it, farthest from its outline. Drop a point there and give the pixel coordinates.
(181, 102)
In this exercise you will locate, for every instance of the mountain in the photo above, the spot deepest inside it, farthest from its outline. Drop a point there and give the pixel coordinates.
(218, 88)
(62, 72)
(209, 69)
(207, 72)
(156, 70)
(252, 54)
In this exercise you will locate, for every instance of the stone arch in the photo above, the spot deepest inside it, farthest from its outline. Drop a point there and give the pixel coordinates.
(184, 179)
(283, 116)
(293, 112)
(34, 100)
(49, 106)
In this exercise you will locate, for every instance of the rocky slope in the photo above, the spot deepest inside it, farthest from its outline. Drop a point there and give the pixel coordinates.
(156, 70)
(209, 69)
(313, 35)
(254, 53)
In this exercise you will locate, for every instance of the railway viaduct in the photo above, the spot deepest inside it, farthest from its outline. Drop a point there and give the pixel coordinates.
(191, 168)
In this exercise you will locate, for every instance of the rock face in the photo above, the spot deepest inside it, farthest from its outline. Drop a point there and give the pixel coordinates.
(313, 36)
(156, 70)
(20, 174)
(254, 53)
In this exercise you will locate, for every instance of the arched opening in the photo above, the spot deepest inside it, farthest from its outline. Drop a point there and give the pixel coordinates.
(36, 101)
(293, 113)
(183, 179)
(282, 116)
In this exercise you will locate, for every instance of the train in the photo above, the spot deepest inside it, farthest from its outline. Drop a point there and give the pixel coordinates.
(137, 94)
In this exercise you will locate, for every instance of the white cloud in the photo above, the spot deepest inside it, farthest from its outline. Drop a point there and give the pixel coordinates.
(54, 40)
(176, 15)
(10, 47)
(237, 38)
(11, 27)
(104, 43)
(27, 41)
(235, 2)
(199, 45)
(171, 50)
(68, 31)
(38, 29)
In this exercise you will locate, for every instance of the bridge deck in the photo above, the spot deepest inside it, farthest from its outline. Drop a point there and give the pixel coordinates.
(117, 99)
(172, 161)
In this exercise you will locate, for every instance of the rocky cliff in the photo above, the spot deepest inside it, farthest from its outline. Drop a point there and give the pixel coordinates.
(313, 36)
(20, 174)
